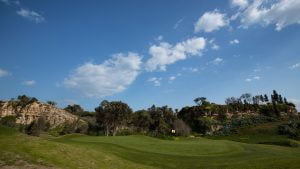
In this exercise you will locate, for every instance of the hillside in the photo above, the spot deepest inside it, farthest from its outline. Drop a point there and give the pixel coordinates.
(76, 151)
(29, 111)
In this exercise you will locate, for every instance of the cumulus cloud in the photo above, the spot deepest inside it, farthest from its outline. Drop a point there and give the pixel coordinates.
(235, 41)
(31, 15)
(155, 80)
(211, 21)
(165, 53)
(112, 76)
(3, 73)
(297, 65)
(241, 4)
(282, 13)
(29, 83)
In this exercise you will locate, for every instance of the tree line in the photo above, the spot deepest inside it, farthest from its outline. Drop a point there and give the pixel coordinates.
(112, 118)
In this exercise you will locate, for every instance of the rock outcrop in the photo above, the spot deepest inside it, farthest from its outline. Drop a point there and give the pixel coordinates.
(28, 113)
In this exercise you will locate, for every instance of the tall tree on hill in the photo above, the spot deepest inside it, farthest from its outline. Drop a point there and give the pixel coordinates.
(112, 115)
(74, 109)
(201, 101)
(280, 100)
(266, 99)
(246, 97)
(285, 101)
(275, 97)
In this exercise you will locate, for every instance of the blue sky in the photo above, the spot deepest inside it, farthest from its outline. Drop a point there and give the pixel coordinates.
(148, 52)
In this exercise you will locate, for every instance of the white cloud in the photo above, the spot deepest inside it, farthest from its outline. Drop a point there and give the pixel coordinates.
(29, 83)
(178, 23)
(256, 70)
(159, 38)
(248, 80)
(191, 69)
(297, 65)
(252, 78)
(211, 21)
(171, 78)
(217, 61)
(155, 80)
(235, 41)
(296, 102)
(7, 2)
(214, 46)
(165, 53)
(282, 13)
(256, 77)
(112, 76)
(3, 73)
(241, 4)
(31, 15)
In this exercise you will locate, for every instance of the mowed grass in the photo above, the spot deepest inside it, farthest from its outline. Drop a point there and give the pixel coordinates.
(80, 151)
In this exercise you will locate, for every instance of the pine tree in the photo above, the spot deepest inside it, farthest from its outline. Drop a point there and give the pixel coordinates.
(280, 99)
(285, 101)
(266, 99)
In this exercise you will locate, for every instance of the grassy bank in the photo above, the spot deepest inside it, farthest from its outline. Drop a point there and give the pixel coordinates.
(79, 151)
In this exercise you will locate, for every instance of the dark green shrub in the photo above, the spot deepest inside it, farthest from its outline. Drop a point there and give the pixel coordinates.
(9, 121)
(37, 127)
(291, 129)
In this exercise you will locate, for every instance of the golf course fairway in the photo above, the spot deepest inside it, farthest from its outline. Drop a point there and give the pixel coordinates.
(119, 152)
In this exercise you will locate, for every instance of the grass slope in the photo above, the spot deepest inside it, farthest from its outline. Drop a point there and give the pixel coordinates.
(78, 151)
(266, 133)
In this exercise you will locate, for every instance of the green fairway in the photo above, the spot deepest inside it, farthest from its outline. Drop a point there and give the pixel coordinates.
(79, 151)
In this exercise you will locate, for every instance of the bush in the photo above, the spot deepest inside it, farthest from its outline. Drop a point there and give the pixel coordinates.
(37, 127)
(234, 124)
(291, 129)
(9, 121)
(181, 128)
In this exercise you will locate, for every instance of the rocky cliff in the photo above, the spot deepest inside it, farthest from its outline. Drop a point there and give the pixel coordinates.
(26, 114)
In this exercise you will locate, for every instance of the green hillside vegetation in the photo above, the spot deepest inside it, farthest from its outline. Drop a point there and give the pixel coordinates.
(247, 132)
(75, 151)
(265, 133)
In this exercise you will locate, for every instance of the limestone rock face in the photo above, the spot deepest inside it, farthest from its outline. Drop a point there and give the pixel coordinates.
(31, 112)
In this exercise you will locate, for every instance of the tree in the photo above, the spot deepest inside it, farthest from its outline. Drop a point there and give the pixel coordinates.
(280, 100)
(275, 97)
(112, 115)
(201, 101)
(285, 101)
(38, 126)
(74, 109)
(142, 120)
(266, 99)
(246, 97)
(24, 100)
(181, 128)
(52, 103)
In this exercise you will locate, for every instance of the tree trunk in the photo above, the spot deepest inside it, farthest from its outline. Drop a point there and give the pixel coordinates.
(107, 131)
(115, 131)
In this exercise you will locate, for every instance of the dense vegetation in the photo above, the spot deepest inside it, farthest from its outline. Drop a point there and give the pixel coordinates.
(206, 118)
(268, 128)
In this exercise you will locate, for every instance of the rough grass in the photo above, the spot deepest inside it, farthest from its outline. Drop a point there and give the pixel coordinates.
(266, 133)
(79, 151)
